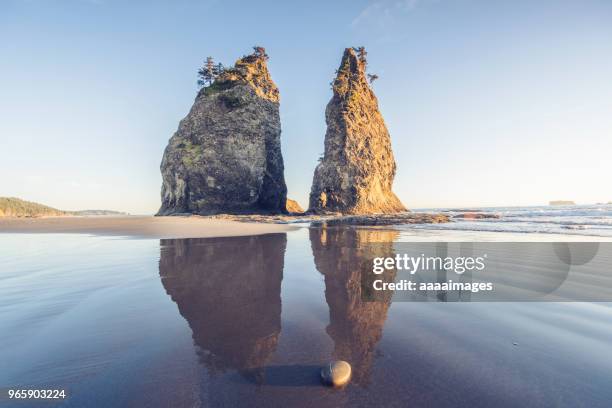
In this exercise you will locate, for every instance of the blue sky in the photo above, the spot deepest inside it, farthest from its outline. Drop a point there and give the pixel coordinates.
(487, 102)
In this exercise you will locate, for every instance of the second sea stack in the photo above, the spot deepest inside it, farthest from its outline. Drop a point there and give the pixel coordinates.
(355, 175)
(226, 155)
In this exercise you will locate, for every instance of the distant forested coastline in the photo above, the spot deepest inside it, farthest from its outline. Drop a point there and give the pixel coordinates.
(16, 207)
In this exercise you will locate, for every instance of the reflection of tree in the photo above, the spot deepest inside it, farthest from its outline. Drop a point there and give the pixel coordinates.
(355, 325)
(228, 290)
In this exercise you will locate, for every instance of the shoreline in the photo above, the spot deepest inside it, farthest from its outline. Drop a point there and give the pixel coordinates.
(334, 219)
(196, 226)
(173, 227)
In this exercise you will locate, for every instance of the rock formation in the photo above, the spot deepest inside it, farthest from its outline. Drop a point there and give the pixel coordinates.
(226, 156)
(561, 202)
(293, 207)
(356, 173)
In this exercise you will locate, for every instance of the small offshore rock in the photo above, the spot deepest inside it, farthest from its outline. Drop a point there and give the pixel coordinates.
(476, 216)
(293, 207)
(381, 219)
(336, 373)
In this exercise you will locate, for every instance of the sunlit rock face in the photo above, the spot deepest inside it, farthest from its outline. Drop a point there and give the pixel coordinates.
(293, 207)
(355, 175)
(355, 324)
(226, 155)
(228, 290)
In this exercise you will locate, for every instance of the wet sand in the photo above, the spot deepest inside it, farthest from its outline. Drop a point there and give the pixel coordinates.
(139, 226)
(235, 321)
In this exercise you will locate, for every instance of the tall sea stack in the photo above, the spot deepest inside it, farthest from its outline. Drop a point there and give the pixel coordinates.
(356, 173)
(226, 156)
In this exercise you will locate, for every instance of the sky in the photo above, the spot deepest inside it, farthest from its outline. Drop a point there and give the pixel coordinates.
(488, 103)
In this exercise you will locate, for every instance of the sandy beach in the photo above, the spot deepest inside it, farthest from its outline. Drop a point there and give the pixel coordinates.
(218, 321)
(139, 226)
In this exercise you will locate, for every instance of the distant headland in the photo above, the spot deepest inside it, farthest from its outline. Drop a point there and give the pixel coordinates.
(16, 207)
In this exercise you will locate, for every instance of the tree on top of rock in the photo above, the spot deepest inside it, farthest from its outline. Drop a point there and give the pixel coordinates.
(209, 72)
(362, 54)
(260, 52)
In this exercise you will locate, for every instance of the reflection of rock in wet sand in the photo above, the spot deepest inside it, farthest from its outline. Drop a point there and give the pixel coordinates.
(228, 290)
(355, 325)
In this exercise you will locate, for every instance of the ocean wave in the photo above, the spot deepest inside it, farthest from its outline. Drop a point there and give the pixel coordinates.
(589, 220)
(585, 221)
(496, 227)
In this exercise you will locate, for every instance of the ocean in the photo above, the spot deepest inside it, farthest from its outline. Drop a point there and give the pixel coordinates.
(581, 220)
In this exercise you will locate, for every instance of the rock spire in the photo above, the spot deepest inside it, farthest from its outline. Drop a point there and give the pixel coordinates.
(356, 173)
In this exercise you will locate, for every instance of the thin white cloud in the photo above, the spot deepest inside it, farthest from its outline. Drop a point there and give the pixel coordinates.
(383, 11)
(366, 13)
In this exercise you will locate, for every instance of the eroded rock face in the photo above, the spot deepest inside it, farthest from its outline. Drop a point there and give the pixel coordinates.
(226, 155)
(356, 173)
